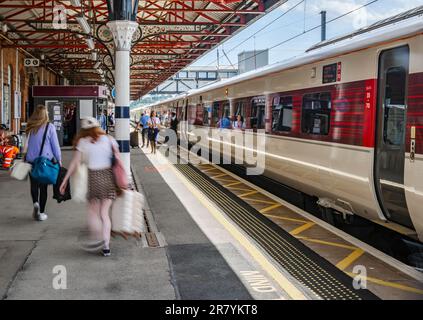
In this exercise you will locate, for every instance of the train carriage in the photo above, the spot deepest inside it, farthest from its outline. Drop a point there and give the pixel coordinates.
(343, 121)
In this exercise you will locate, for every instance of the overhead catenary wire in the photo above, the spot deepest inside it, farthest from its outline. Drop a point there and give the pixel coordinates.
(312, 29)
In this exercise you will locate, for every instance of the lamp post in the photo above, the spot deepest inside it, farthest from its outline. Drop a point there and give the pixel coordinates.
(122, 23)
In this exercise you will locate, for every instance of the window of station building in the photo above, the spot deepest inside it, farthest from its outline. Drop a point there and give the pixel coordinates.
(282, 114)
(211, 75)
(258, 111)
(316, 110)
(394, 110)
(202, 75)
(192, 74)
(183, 74)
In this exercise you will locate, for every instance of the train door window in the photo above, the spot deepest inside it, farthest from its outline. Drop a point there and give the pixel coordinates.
(394, 111)
(316, 113)
(206, 115)
(282, 114)
(226, 109)
(215, 112)
(258, 111)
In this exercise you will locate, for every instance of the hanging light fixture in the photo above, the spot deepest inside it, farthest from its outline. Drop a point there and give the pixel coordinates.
(90, 43)
(83, 23)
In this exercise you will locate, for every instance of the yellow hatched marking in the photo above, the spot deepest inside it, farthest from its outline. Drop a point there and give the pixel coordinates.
(240, 189)
(224, 180)
(388, 283)
(211, 169)
(345, 263)
(276, 205)
(263, 201)
(304, 227)
(219, 175)
(328, 243)
(247, 194)
(232, 184)
(285, 218)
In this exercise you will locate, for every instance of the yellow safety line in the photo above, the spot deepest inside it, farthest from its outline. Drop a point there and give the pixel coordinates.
(304, 227)
(286, 218)
(258, 256)
(276, 205)
(232, 184)
(388, 284)
(328, 243)
(345, 263)
(247, 194)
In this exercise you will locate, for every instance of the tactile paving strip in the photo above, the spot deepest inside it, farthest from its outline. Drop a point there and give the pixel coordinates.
(307, 267)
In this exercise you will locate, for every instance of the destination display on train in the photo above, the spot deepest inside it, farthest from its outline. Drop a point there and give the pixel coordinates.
(330, 73)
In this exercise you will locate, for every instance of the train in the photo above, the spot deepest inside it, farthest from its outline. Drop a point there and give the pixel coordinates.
(343, 121)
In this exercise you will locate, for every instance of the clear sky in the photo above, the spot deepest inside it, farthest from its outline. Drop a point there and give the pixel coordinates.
(303, 17)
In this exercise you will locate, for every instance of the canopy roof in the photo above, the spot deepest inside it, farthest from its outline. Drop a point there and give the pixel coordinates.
(171, 35)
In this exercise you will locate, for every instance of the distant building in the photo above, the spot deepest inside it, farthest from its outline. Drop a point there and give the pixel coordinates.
(251, 60)
(184, 80)
(194, 78)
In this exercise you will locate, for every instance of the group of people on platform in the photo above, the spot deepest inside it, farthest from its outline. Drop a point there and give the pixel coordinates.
(150, 125)
(107, 121)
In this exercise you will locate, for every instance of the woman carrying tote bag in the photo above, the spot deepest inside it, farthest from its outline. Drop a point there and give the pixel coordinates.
(42, 143)
(98, 150)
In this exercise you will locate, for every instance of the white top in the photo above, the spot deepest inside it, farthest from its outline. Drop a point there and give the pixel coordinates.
(97, 155)
(155, 121)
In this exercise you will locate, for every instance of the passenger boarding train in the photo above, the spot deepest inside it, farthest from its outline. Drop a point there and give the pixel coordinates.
(343, 121)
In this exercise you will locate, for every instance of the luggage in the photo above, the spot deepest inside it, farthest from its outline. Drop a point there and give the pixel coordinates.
(56, 188)
(134, 140)
(128, 213)
(44, 170)
(21, 170)
(79, 183)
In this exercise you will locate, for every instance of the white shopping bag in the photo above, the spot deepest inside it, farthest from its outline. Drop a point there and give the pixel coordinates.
(128, 214)
(21, 170)
(79, 183)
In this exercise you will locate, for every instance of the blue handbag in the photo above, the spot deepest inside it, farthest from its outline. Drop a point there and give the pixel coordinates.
(44, 170)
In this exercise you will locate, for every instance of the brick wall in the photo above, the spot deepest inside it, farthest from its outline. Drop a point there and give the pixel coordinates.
(28, 76)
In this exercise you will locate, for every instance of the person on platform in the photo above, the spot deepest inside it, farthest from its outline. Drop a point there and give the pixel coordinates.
(174, 122)
(224, 123)
(239, 123)
(153, 131)
(103, 121)
(144, 124)
(97, 149)
(38, 126)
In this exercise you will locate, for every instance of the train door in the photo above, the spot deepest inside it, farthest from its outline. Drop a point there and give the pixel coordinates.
(390, 134)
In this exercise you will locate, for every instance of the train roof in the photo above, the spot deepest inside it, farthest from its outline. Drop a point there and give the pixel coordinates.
(399, 26)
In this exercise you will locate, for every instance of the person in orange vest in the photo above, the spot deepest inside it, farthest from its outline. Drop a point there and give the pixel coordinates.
(9, 153)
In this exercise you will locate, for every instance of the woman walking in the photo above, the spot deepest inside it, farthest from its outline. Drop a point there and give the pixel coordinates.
(97, 150)
(153, 130)
(38, 126)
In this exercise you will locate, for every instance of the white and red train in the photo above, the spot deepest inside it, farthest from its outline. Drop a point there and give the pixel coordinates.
(343, 121)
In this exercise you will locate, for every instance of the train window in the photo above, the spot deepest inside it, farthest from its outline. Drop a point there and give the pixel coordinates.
(240, 109)
(316, 113)
(226, 110)
(215, 112)
(282, 114)
(394, 109)
(206, 115)
(258, 110)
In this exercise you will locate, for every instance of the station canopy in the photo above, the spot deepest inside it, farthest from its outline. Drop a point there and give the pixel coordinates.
(71, 37)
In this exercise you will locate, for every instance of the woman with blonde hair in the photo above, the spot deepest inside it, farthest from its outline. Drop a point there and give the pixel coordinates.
(96, 149)
(39, 130)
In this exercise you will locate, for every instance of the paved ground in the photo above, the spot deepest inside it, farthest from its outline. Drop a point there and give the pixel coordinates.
(190, 266)
(30, 250)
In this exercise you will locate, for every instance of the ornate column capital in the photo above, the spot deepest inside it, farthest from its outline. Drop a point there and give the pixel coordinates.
(122, 33)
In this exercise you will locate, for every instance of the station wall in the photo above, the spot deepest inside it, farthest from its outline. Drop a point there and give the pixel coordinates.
(15, 77)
